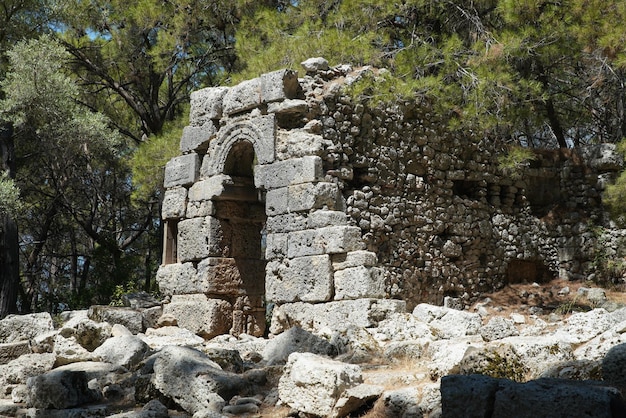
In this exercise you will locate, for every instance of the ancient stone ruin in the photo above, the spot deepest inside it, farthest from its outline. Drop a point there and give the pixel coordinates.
(292, 194)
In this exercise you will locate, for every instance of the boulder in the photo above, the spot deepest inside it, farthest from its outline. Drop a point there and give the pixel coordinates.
(128, 317)
(88, 333)
(354, 398)
(153, 409)
(126, 350)
(60, 389)
(19, 370)
(15, 328)
(11, 351)
(448, 323)
(498, 328)
(313, 384)
(192, 380)
(294, 340)
(581, 327)
(68, 350)
(168, 335)
(446, 355)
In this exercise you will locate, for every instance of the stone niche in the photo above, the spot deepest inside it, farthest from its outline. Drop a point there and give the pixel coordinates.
(290, 194)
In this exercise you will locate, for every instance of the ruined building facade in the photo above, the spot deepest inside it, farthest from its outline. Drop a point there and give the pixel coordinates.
(290, 193)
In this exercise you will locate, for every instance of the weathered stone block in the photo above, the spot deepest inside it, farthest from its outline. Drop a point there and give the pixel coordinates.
(128, 317)
(196, 138)
(302, 197)
(313, 384)
(322, 218)
(15, 328)
(206, 105)
(328, 240)
(288, 107)
(174, 203)
(354, 259)
(286, 223)
(244, 96)
(208, 189)
(11, 351)
(337, 315)
(288, 172)
(177, 279)
(279, 85)
(359, 282)
(201, 315)
(200, 209)
(228, 276)
(275, 246)
(182, 170)
(199, 238)
(308, 279)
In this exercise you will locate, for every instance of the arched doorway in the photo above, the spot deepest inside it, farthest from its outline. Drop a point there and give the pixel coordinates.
(242, 216)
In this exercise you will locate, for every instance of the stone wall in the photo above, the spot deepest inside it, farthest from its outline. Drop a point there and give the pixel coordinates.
(290, 192)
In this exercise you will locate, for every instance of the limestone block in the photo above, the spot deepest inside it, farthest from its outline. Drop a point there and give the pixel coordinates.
(322, 218)
(354, 398)
(404, 326)
(581, 327)
(313, 384)
(288, 107)
(11, 351)
(68, 350)
(199, 238)
(150, 316)
(60, 389)
(182, 170)
(177, 279)
(15, 328)
(275, 246)
(354, 259)
(359, 282)
(539, 352)
(174, 203)
(196, 138)
(336, 315)
(303, 197)
(157, 338)
(235, 211)
(206, 105)
(498, 328)
(279, 85)
(126, 350)
(328, 240)
(28, 365)
(288, 172)
(195, 382)
(128, 317)
(244, 96)
(449, 323)
(207, 189)
(201, 315)
(308, 279)
(298, 143)
(295, 340)
(200, 209)
(228, 276)
(447, 355)
(286, 223)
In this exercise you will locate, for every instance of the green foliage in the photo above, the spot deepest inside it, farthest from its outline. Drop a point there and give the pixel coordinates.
(530, 72)
(515, 159)
(121, 290)
(10, 203)
(149, 159)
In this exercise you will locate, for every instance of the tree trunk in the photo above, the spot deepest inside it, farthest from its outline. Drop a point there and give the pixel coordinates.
(9, 250)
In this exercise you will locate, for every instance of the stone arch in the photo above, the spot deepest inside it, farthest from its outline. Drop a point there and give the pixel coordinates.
(260, 132)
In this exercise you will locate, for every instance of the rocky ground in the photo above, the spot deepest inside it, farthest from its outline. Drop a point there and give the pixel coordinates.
(82, 365)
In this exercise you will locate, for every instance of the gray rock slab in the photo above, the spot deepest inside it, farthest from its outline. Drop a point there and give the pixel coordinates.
(206, 105)
(288, 172)
(182, 170)
(307, 279)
